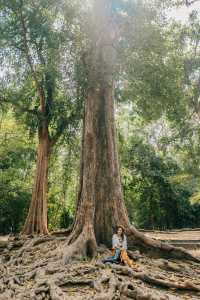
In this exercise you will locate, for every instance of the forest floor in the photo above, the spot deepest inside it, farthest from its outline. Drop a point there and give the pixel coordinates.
(181, 234)
(189, 238)
(33, 269)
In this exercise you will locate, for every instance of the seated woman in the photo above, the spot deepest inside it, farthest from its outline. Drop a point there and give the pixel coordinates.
(119, 246)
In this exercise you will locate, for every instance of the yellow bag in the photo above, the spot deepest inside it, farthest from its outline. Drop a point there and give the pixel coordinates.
(125, 259)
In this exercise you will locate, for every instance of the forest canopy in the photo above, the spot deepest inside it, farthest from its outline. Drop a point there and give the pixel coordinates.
(44, 58)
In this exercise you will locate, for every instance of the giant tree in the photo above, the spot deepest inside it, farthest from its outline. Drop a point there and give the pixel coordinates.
(100, 204)
(35, 40)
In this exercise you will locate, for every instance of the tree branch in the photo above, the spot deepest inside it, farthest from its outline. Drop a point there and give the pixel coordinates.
(29, 60)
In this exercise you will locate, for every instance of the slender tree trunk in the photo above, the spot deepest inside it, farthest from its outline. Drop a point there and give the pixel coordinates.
(36, 222)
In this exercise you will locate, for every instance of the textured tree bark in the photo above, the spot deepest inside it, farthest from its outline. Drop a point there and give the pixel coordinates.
(100, 206)
(100, 203)
(109, 205)
(36, 221)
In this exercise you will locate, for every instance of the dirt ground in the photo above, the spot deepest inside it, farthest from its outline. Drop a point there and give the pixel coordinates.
(34, 269)
(175, 234)
(179, 235)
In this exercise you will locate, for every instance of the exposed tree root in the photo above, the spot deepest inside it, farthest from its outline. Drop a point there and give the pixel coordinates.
(119, 288)
(110, 294)
(98, 284)
(56, 292)
(143, 276)
(78, 282)
(83, 245)
(63, 232)
(27, 246)
(47, 278)
(156, 247)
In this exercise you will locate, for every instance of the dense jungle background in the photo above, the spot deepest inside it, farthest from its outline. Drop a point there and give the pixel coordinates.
(157, 109)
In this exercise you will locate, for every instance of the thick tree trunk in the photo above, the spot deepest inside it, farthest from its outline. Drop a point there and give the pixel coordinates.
(109, 205)
(36, 222)
(100, 204)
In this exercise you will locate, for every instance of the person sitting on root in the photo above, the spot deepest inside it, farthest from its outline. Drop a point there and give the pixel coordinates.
(119, 247)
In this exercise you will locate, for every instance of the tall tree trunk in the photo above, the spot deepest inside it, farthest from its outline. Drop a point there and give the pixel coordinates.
(100, 204)
(36, 222)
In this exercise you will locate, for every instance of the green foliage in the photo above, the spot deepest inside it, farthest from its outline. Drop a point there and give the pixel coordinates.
(17, 153)
(65, 219)
(63, 181)
(17, 158)
(157, 82)
(35, 41)
(152, 200)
